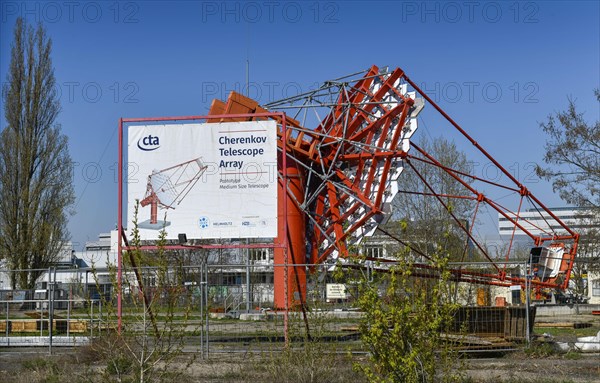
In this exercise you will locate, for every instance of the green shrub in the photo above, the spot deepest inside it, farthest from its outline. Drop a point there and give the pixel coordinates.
(540, 350)
(573, 355)
(404, 319)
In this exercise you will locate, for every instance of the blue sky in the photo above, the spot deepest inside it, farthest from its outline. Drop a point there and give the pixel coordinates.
(499, 68)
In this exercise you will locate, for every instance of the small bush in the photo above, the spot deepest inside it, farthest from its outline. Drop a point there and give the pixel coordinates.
(310, 363)
(120, 365)
(44, 370)
(40, 364)
(573, 355)
(540, 350)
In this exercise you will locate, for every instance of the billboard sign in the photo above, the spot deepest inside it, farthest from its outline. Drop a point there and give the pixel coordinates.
(211, 180)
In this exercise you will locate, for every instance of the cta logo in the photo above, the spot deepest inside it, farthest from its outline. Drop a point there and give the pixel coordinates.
(148, 143)
(204, 222)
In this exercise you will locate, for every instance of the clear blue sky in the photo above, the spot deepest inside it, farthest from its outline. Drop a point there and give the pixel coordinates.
(141, 59)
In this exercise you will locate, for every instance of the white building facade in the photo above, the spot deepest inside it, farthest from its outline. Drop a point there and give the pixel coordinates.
(578, 219)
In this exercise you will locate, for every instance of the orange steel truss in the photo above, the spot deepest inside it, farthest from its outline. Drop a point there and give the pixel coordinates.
(344, 170)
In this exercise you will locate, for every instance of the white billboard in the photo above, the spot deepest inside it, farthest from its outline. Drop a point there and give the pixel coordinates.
(216, 180)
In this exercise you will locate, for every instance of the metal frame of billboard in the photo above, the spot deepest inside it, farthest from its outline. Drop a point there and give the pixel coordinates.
(278, 242)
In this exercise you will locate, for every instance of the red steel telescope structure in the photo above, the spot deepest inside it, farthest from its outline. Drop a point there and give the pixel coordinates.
(347, 144)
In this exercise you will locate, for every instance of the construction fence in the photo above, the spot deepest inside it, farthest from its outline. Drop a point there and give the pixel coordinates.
(224, 308)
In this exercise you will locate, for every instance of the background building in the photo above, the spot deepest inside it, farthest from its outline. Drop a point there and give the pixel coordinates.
(577, 218)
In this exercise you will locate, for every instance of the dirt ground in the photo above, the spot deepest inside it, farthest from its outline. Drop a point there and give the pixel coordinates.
(519, 368)
(541, 363)
(31, 366)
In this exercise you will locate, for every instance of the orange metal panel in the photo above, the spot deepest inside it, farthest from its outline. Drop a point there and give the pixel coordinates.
(216, 107)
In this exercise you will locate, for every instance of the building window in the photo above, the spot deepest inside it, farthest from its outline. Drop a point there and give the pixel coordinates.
(149, 281)
(596, 288)
(262, 278)
(374, 251)
(260, 255)
(232, 279)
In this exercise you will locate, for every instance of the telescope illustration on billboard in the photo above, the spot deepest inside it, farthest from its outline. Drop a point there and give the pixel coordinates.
(167, 188)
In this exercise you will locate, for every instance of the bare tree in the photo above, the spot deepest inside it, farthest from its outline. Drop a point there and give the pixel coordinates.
(573, 156)
(429, 224)
(35, 167)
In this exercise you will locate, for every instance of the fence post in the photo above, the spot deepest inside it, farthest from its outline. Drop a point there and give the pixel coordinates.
(91, 318)
(49, 292)
(99, 316)
(41, 304)
(69, 310)
(206, 299)
(7, 323)
(201, 287)
(527, 301)
(248, 304)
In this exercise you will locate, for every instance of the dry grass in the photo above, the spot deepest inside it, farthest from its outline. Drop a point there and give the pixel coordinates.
(298, 365)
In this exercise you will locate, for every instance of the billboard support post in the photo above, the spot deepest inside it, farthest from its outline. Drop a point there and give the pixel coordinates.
(120, 233)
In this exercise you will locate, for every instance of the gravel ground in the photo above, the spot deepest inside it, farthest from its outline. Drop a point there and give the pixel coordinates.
(72, 365)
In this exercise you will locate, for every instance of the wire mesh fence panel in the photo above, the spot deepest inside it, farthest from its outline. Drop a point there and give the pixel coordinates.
(44, 321)
(212, 307)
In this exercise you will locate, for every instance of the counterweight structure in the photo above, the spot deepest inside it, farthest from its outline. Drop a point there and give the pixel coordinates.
(347, 144)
